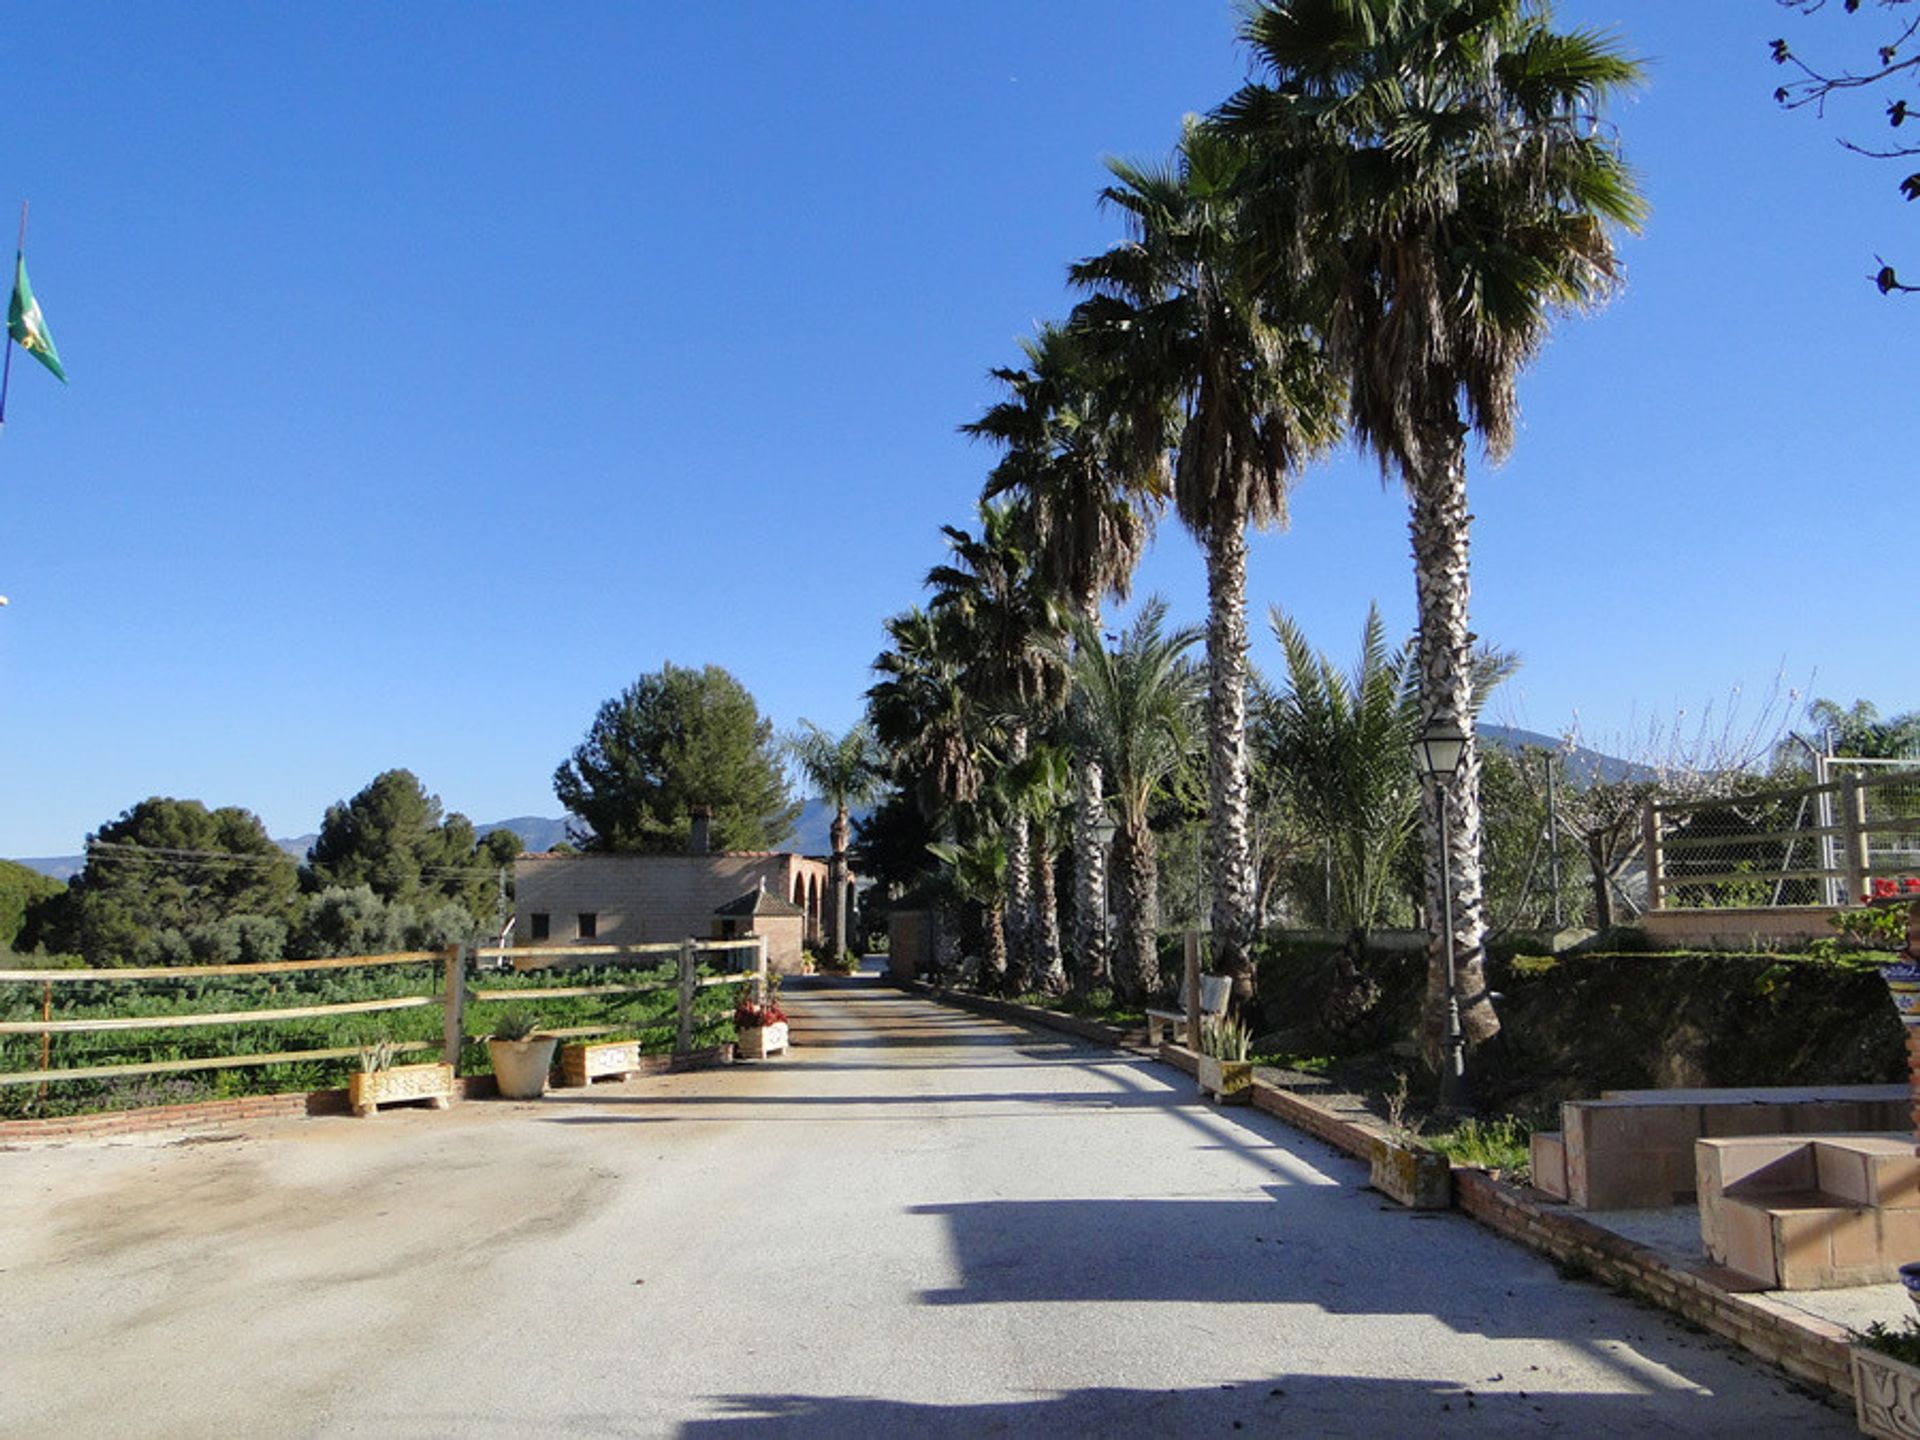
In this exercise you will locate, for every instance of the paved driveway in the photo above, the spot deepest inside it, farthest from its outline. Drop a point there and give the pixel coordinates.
(922, 1222)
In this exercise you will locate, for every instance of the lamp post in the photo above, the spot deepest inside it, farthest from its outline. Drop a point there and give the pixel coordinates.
(1103, 832)
(1437, 752)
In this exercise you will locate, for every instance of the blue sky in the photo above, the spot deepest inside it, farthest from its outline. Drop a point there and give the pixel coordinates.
(437, 369)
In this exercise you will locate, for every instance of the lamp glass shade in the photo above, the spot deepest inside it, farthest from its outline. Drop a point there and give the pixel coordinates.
(1103, 832)
(1438, 748)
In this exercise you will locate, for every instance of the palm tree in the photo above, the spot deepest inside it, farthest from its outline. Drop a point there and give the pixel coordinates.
(1090, 484)
(1342, 747)
(1442, 165)
(1193, 313)
(922, 714)
(844, 771)
(1135, 707)
(978, 869)
(1008, 670)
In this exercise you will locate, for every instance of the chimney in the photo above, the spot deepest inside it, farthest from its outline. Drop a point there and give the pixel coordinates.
(700, 842)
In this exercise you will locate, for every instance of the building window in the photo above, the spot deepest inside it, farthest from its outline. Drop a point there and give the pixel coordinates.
(589, 925)
(539, 921)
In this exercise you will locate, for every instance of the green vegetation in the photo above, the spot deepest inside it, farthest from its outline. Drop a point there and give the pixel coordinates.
(673, 740)
(1902, 1342)
(20, 890)
(650, 1017)
(393, 839)
(173, 883)
(1499, 1145)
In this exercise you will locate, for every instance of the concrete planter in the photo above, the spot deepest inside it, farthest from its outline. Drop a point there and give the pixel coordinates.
(757, 1042)
(1415, 1176)
(1229, 1082)
(520, 1067)
(1886, 1395)
(583, 1063)
(369, 1089)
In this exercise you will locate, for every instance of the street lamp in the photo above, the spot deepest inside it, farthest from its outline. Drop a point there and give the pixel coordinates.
(1437, 751)
(1103, 831)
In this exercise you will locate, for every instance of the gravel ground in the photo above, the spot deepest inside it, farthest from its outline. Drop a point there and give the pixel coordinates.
(921, 1222)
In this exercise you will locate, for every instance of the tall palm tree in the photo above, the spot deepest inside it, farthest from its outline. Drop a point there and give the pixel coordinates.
(1442, 164)
(1136, 707)
(844, 770)
(922, 714)
(1091, 484)
(1195, 312)
(1008, 669)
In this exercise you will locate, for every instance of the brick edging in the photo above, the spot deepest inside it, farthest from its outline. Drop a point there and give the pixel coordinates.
(1030, 1014)
(195, 1115)
(1809, 1349)
(202, 1114)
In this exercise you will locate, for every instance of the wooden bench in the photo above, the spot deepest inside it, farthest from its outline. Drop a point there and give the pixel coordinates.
(1214, 992)
(1633, 1149)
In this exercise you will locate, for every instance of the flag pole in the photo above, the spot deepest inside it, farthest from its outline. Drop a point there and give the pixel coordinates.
(6, 366)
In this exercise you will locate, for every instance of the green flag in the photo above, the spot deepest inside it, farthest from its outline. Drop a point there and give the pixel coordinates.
(28, 326)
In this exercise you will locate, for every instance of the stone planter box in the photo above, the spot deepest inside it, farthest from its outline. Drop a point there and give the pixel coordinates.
(369, 1089)
(1229, 1082)
(1416, 1177)
(1886, 1395)
(757, 1042)
(585, 1062)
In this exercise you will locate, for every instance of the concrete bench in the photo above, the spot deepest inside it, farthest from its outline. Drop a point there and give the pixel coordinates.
(1810, 1213)
(1633, 1149)
(1214, 991)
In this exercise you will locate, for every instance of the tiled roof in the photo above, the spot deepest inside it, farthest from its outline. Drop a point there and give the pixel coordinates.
(759, 902)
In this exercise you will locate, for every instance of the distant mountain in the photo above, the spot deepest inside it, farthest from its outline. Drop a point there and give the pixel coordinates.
(1581, 766)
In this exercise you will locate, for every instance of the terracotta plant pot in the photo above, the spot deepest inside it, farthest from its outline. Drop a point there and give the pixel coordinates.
(520, 1067)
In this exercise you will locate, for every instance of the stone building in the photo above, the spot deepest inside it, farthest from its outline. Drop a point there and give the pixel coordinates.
(569, 899)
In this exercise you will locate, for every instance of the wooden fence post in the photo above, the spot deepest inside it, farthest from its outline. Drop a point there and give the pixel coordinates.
(453, 1006)
(1192, 942)
(1853, 838)
(760, 970)
(1656, 856)
(683, 1043)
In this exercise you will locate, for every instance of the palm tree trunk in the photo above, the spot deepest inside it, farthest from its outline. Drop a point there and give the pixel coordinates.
(1019, 907)
(1089, 878)
(1089, 861)
(1229, 850)
(1444, 654)
(838, 837)
(1049, 974)
(994, 981)
(1137, 958)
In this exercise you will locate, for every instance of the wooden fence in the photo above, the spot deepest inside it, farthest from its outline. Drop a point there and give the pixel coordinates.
(453, 969)
(1832, 845)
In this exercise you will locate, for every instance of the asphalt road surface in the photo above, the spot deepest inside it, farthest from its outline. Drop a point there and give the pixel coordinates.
(918, 1223)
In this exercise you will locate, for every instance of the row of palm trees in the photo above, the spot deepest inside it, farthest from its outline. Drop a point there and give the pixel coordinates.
(1367, 240)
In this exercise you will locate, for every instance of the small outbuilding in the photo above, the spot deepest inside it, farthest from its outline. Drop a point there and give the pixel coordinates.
(761, 912)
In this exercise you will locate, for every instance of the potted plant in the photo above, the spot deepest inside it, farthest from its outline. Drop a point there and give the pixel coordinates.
(759, 1026)
(1225, 1072)
(522, 1057)
(1886, 1380)
(379, 1081)
(584, 1061)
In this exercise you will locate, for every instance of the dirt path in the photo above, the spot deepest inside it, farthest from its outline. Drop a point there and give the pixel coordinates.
(922, 1222)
